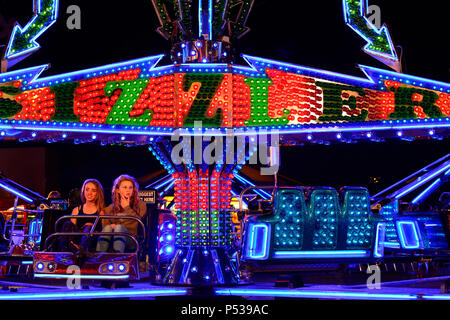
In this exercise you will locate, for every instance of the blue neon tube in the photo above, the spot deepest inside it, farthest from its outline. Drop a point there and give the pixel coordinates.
(16, 193)
(321, 254)
(90, 295)
(421, 182)
(436, 184)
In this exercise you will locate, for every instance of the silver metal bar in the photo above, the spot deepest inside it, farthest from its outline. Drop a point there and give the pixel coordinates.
(89, 234)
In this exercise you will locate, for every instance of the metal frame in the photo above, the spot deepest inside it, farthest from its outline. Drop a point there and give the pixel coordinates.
(92, 231)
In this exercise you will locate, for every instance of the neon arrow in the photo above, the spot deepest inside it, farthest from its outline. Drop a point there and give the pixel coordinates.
(238, 27)
(379, 42)
(23, 40)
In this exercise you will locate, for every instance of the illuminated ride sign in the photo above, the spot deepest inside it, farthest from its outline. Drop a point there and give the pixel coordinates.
(138, 98)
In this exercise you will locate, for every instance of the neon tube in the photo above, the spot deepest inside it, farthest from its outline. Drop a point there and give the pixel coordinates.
(321, 254)
(91, 295)
(315, 294)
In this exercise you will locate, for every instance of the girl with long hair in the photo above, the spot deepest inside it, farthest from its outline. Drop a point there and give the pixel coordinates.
(125, 202)
(92, 205)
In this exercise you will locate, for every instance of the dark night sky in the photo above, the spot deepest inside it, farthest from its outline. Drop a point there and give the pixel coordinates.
(308, 33)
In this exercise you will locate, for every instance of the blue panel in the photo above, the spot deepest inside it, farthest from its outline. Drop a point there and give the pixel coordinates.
(360, 229)
(325, 212)
(290, 211)
(409, 235)
(167, 237)
(389, 213)
(430, 229)
(258, 241)
(380, 234)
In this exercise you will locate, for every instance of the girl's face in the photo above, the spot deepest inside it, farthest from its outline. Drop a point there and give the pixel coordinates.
(90, 192)
(126, 189)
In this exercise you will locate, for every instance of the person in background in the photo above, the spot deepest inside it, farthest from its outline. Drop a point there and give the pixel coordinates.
(125, 202)
(93, 203)
(74, 199)
(54, 195)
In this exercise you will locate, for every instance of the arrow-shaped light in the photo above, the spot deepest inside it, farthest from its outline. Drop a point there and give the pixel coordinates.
(23, 40)
(379, 42)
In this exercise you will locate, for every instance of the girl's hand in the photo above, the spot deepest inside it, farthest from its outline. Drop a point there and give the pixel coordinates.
(87, 224)
(124, 202)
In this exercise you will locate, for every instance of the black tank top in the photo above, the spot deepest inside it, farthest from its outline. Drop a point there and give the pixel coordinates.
(83, 221)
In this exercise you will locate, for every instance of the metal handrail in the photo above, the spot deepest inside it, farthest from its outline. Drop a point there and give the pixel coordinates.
(13, 219)
(92, 231)
(90, 234)
(29, 210)
(260, 187)
(99, 217)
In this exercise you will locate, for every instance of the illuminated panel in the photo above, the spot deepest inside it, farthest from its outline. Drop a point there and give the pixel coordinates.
(378, 251)
(340, 103)
(138, 98)
(159, 97)
(203, 200)
(193, 208)
(182, 208)
(290, 214)
(35, 228)
(259, 92)
(321, 227)
(90, 101)
(325, 210)
(9, 94)
(379, 104)
(208, 88)
(215, 206)
(258, 245)
(185, 98)
(202, 205)
(411, 102)
(36, 104)
(222, 102)
(225, 196)
(241, 101)
(299, 95)
(409, 234)
(166, 241)
(359, 226)
(389, 213)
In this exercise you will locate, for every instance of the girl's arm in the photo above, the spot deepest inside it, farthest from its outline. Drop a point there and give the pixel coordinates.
(74, 213)
(142, 209)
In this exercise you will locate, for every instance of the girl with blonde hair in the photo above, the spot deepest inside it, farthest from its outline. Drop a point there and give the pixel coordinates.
(125, 202)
